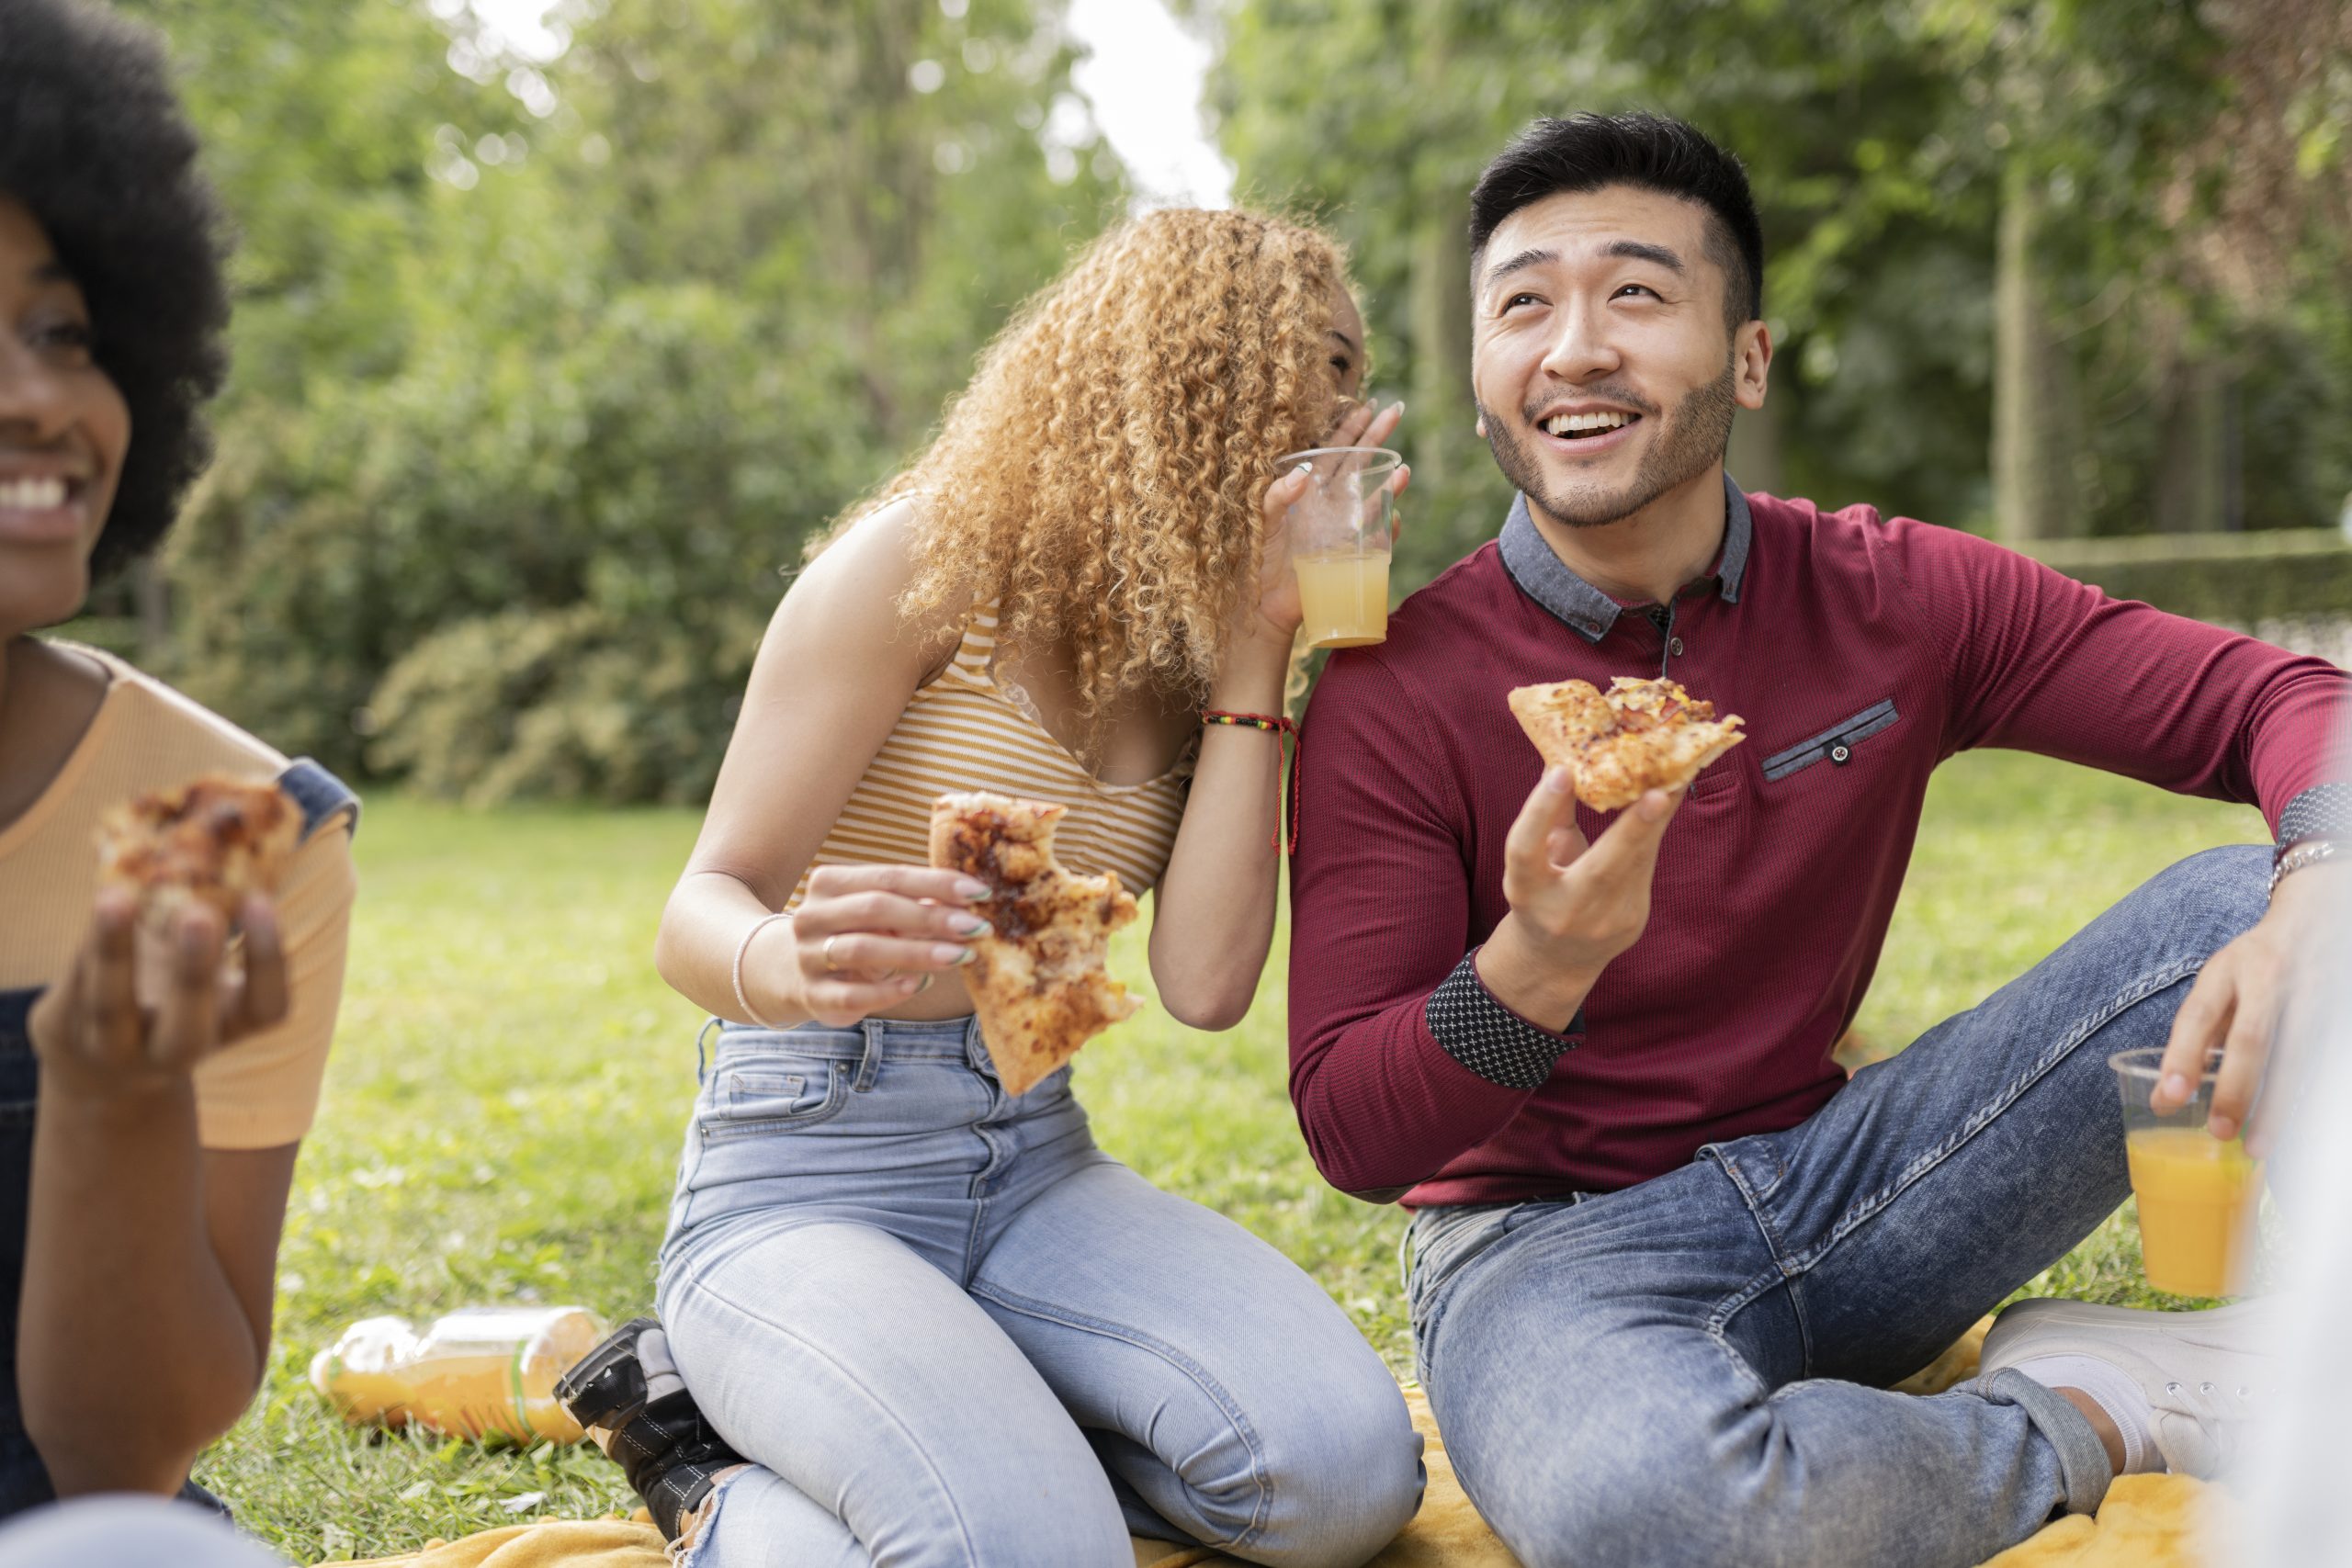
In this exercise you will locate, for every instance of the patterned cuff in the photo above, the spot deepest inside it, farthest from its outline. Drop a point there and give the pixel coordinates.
(2322, 811)
(1488, 1038)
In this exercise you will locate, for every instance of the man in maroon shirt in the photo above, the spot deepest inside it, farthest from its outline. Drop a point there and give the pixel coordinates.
(1667, 1258)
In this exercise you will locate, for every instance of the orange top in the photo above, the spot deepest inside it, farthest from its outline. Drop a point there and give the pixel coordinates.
(973, 728)
(264, 1090)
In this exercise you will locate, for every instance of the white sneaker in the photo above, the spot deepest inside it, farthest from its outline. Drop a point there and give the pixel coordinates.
(2201, 1373)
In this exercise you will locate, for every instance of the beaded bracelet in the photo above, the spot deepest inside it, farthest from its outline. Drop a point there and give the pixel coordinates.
(1287, 740)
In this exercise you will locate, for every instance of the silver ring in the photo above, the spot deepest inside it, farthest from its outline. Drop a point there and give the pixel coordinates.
(826, 953)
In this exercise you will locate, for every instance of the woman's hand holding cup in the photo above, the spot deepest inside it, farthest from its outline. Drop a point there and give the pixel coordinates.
(1279, 608)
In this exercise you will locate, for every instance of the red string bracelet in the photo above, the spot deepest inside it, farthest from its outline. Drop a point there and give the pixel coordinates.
(1287, 740)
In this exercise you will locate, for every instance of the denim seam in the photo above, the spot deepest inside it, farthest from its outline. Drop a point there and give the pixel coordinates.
(1234, 1415)
(1441, 1292)
(1746, 1375)
(1779, 1273)
(1984, 1115)
(695, 1281)
(1753, 1200)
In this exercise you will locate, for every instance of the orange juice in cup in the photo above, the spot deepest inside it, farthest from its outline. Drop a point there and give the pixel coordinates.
(1339, 543)
(1345, 598)
(2197, 1193)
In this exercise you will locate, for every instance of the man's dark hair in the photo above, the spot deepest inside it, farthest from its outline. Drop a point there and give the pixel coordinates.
(1586, 152)
(95, 144)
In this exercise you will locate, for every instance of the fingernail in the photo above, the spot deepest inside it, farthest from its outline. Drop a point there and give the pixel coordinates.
(914, 983)
(1302, 470)
(948, 952)
(972, 925)
(1654, 805)
(2223, 1128)
(1557, 779)
(2173, 1087)
(971, 890)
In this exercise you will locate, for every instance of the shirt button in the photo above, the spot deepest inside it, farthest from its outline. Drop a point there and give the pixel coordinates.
(1674, 647)
(1839, 754)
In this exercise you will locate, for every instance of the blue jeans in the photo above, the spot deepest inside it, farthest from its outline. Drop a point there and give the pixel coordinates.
(947, 1329)
(1692, 1370)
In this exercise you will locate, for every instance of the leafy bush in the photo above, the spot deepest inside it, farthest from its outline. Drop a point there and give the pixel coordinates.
(570, 703)
(588, 529)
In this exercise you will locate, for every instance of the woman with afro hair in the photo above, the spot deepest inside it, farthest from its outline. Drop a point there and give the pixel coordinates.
(153, 1092)
(905, 1316)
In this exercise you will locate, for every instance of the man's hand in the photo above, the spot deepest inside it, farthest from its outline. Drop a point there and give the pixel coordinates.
(2236, 1005)
(1574, 905)
(96, 1035)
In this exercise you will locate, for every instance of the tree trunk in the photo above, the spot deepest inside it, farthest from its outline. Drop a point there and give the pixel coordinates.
(2036, 491)
(1442, 409)
(1439, 300)
(153, 598)
(2193, 468)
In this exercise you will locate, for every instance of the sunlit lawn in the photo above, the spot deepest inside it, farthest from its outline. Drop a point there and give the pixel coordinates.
(510, 1081)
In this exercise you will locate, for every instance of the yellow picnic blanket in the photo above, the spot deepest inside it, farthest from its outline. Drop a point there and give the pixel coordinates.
(2148, 1521)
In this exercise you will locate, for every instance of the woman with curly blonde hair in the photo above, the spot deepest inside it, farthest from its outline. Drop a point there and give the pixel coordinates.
(905, 1316)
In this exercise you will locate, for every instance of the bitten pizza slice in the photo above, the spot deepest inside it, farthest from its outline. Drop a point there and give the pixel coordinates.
(1637, 736)
(213, 841)
(1037, 979)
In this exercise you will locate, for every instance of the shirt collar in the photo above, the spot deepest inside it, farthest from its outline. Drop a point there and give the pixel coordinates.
(1544, 577)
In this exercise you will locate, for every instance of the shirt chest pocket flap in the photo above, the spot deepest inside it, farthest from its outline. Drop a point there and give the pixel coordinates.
(1835, 745)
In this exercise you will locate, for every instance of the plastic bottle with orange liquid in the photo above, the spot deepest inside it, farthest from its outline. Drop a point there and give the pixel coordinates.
(482, 1373)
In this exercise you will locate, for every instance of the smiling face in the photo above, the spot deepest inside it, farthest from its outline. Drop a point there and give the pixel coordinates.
(63, 431)
(1604, 372)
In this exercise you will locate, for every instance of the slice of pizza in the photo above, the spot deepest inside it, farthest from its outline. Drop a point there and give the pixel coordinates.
(1637, 736)
(212, 841)
(1038, 980)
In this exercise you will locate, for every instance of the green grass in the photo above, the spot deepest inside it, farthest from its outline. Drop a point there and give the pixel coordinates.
(510, 1081)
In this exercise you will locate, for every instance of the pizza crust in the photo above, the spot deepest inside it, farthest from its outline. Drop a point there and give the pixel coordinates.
(214, 840)
(1636, 736)
(1037, 979)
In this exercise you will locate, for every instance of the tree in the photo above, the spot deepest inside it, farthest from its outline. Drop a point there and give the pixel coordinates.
(550, 366)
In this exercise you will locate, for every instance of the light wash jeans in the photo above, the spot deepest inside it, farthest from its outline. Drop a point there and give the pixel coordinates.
(1692, 1370)
(949, 1330)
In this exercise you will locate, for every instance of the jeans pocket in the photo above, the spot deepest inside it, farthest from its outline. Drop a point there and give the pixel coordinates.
(747, 1098)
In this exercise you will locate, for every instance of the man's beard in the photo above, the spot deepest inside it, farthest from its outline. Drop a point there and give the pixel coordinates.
(1693, 441)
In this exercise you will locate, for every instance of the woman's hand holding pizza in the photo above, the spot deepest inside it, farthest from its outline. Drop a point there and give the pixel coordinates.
(867, 938)
(141, 1008)
(1575, 905)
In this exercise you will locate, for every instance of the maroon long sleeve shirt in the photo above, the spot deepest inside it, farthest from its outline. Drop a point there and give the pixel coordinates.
(1861, 651)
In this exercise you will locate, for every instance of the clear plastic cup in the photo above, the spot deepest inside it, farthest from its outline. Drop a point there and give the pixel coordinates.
(1338, 542)
(2197, 1192)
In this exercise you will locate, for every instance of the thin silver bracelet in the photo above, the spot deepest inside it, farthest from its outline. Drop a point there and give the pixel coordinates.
(2309, 852)
(743, 947)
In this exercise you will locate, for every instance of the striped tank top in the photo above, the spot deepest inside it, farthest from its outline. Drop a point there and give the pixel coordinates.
(973, 728)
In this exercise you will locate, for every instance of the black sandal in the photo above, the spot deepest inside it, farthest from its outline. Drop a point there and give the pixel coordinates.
(649, 1424)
